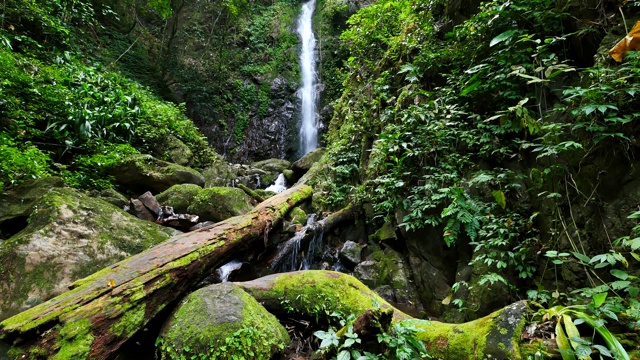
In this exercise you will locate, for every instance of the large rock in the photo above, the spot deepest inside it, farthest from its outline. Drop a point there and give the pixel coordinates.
(17, 204)
(142, 173)
(274, 133)
(221, 321)
(173, 150)
(179, 197)
(305, 163)
(69, 236)
(387, 267)
(272, 165)
(219, 173)
(351, 253)
(434, 266)
(219, 203)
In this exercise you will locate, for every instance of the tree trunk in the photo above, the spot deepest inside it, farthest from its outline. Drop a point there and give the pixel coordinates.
(104, 310)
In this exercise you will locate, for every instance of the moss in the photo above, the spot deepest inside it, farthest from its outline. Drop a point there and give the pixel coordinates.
(297, 216)
(220, 203)
(529, 351)
(93, 233)
(238, 328)
(289, 175)
(131, 321)
(315, 293)
(179, 197)
(386, 233)
(462, 341)
(76, 339)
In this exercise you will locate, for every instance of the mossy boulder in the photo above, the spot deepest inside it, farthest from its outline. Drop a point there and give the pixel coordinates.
(272, 165)
(141, 173)
(221, 321)
(495, 336)
(220, 203)
(69, 236)
(305, 163)
(219, 173)
(179, 197)
(18, 202)
(112, 196)
(173, 150)
(297, 216)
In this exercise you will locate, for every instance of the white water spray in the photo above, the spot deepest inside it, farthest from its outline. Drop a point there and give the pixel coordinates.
(308, 127)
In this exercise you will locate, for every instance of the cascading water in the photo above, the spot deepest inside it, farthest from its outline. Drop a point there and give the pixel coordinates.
(289, 256)
(308, 126)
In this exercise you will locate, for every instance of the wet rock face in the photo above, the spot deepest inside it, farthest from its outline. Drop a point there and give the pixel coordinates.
(69, 236)
(274, 134)
(206, 318)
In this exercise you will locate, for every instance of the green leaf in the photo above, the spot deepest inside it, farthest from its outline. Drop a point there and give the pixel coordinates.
(502, 37)
(563, 344)
(500, 198)
(619, 274)
(585, 259)
(572, 330)
(598, 299)
(344, 355)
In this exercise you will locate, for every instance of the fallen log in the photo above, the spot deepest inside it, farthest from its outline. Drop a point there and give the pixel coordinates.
(316, 294)
(102, 311)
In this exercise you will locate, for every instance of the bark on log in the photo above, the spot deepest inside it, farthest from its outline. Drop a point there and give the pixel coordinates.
(102, 311)
(337, 218)
(316, 294)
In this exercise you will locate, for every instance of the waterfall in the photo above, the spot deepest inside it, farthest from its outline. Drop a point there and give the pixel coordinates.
(279, 186)
(308, 126)
(225, 270)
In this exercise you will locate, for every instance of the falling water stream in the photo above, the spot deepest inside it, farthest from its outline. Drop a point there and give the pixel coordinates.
(308, 126)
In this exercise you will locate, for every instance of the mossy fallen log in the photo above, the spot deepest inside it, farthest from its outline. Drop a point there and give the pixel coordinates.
(104, 310)
(316, 294)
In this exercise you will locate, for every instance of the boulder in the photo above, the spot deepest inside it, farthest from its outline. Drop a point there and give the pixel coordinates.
(219, 203)
(179, 197)
(17, 203)
(112, 196)
(69, 236)
(272, 165)
(305, 163)
(387, 267)
(219, 174)
(434, 266)
(221, 321)
(351, 253)
(142, 173)
(173, 150)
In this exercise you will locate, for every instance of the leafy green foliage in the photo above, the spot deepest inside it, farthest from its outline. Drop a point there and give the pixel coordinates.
(399, 343)
(239, 346)
(21, 162)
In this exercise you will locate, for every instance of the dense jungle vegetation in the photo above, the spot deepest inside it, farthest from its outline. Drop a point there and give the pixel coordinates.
(504, 125)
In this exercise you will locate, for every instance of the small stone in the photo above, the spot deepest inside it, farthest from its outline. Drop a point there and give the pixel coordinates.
(351, 253)
(140, 211)
(150, 202)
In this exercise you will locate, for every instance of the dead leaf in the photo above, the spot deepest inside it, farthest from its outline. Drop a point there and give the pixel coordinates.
(629, 42)
(111, 283)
